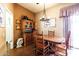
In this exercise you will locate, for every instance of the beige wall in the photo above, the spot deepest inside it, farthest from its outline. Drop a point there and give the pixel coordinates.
(18, 12)
(52, 12)
(10, 6)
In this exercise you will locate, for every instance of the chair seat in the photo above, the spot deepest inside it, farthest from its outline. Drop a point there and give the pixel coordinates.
(60, 50)
(60, 54)
(62, 46)
(42, 47)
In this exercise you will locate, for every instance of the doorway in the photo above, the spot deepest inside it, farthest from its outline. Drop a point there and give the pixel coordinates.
(9, 28)
(74, 22)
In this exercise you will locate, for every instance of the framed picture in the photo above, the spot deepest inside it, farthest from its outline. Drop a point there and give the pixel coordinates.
(50, 23)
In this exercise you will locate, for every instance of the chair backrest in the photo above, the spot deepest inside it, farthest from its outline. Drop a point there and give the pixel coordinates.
(51, 33)
(35, 32)
(67, 39)
(67, 42)
(39, 40)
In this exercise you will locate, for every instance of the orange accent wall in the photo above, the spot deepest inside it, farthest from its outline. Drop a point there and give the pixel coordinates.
(18, 12)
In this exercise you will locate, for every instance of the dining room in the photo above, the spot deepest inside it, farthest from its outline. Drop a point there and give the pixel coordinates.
(39, 29)
(44, 32)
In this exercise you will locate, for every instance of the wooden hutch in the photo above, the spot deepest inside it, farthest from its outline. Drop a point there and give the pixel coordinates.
(27, 26)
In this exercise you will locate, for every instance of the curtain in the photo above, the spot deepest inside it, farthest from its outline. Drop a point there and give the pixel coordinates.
(74, 20)
(68, 11)
(75, 29)
(66, 14)
(70, 17)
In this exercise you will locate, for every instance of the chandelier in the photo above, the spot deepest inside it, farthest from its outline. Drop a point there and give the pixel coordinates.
(44, 18)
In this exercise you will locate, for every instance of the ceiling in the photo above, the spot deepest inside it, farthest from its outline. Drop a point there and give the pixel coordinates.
(33, 7)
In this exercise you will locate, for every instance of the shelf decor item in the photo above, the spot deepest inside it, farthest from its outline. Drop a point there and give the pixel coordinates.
(18, 24)
(28, 26)
(27, 29)
(18, 21)
(24, 18)
(18, 27)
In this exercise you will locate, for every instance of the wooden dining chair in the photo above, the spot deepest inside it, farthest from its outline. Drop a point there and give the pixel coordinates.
(61, 49)
(34, 37)
(41, 46)
(51, 33)
(51, 45)
(34, 33)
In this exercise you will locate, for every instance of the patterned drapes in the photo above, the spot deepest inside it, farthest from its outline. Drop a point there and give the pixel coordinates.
(65, 14)
(68, 11)
(70, 16)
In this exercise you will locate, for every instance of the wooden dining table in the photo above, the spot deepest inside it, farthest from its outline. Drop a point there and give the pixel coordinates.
(55, 39)
(49, 39)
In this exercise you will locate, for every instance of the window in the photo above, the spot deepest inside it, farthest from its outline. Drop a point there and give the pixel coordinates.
(2, 16)
(74, 22)
(75, 30)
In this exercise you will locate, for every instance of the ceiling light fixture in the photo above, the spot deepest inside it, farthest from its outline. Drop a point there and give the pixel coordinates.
(44, 18)
(37, 3)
